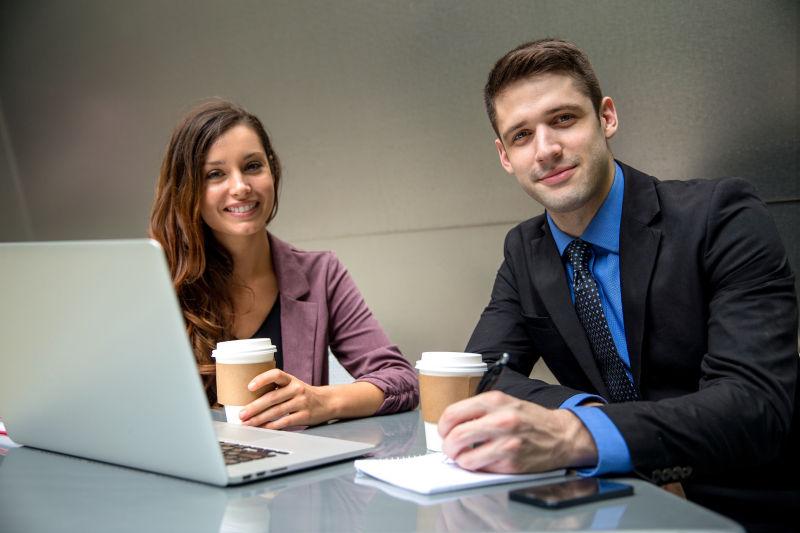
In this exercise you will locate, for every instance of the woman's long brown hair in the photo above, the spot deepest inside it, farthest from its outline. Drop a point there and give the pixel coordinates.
(201, 268)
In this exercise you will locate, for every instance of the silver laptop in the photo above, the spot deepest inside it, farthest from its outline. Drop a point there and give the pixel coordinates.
(95, 362)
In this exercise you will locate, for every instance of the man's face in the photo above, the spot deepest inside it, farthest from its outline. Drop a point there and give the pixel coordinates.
(555, 144)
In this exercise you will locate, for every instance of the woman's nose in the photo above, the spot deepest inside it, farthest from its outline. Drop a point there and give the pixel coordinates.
(240, 185)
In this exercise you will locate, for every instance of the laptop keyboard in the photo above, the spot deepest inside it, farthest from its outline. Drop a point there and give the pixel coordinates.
(239, 453)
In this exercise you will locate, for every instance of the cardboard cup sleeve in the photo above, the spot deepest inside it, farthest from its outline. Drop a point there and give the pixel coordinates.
(232, 380)
(437, 392)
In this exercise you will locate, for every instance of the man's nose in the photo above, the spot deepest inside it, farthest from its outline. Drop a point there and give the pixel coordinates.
(548, 146)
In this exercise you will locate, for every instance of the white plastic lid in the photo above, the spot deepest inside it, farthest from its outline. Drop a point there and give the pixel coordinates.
(245, 351)
(451, 363)
(245, 344)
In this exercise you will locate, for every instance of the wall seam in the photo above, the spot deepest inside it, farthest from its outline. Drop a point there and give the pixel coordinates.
(408, 231)
(5, 139)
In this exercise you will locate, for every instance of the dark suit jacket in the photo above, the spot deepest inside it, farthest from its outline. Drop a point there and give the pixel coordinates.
(710, 318)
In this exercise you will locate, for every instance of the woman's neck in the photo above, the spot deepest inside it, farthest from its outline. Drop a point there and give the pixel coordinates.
(251, 255)
(253, 286)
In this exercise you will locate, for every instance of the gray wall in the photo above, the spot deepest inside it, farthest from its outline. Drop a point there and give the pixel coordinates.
(375, 109)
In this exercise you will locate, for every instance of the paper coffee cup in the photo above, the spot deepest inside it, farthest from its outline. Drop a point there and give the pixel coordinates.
(445, 378)
(238, 362)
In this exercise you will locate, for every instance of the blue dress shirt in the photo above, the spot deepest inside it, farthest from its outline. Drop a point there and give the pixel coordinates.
(603, 235)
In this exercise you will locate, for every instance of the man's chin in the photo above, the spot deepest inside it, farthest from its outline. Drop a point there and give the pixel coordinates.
(560, 204)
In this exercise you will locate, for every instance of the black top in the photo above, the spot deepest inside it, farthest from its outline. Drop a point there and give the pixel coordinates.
(271, 328)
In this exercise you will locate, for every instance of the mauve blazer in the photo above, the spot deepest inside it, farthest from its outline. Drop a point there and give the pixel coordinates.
(321, 307)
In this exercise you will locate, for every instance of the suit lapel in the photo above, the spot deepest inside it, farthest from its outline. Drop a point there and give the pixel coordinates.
(549, 279)
(638, 249)
(298, 316)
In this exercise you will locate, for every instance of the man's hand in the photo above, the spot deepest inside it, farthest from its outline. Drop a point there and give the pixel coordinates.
(495, 432)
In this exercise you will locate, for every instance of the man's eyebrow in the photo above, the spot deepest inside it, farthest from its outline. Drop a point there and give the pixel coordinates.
(563, 107)
(513, 128)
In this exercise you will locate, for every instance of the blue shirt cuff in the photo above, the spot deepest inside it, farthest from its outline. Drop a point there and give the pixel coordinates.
(613, 456)
(575, 401)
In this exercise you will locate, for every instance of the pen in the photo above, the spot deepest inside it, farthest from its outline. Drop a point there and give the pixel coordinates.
(489, 379)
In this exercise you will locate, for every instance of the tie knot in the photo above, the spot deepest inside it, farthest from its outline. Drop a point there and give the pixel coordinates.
(578, 253)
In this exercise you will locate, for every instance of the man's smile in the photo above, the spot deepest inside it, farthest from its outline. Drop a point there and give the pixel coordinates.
(558, 175)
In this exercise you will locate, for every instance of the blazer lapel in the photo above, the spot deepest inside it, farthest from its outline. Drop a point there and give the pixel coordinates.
(638, 249)
(550, 280)
(298, 316)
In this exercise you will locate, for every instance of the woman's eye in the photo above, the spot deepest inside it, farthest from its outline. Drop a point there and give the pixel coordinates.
(254, 166)
(214, 174)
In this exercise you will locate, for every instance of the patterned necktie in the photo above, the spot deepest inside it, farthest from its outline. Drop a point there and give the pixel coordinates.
(593, 319)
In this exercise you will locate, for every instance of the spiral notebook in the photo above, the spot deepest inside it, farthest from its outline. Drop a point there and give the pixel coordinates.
(435, 472)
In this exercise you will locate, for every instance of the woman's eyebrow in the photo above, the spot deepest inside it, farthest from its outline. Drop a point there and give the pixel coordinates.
(222, 161)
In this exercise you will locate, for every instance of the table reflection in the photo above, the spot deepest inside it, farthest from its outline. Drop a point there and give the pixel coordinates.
(495, 512)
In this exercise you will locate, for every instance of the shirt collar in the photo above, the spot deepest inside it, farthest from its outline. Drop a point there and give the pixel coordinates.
(603, 230)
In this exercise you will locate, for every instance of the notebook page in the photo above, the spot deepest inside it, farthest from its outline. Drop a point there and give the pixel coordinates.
(434, 472)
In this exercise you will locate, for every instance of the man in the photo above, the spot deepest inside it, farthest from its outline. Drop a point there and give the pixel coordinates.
(666, 310)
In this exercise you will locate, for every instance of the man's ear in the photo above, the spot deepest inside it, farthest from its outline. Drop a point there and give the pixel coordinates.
(608, 117)
(501, 152)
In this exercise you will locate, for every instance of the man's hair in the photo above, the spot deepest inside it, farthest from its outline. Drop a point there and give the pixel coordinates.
(539, 57)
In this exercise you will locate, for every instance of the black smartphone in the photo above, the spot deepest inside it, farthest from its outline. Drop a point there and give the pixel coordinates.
(571, 492)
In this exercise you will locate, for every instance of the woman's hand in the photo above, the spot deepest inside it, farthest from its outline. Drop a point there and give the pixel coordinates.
(292, 403)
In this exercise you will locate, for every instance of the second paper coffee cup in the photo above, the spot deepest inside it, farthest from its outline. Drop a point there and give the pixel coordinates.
(445, 378)
(237, 363)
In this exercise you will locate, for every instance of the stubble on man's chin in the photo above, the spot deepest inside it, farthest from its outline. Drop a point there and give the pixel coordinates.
(567, 202)
(564, 205)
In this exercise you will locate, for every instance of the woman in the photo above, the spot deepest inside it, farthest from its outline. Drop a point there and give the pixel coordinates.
(216, 193)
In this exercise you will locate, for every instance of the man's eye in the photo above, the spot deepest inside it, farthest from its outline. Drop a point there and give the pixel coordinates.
(564, 119)
(214, 174)
(520, 135)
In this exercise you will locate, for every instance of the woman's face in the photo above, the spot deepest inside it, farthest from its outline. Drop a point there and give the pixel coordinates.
(239, 189)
